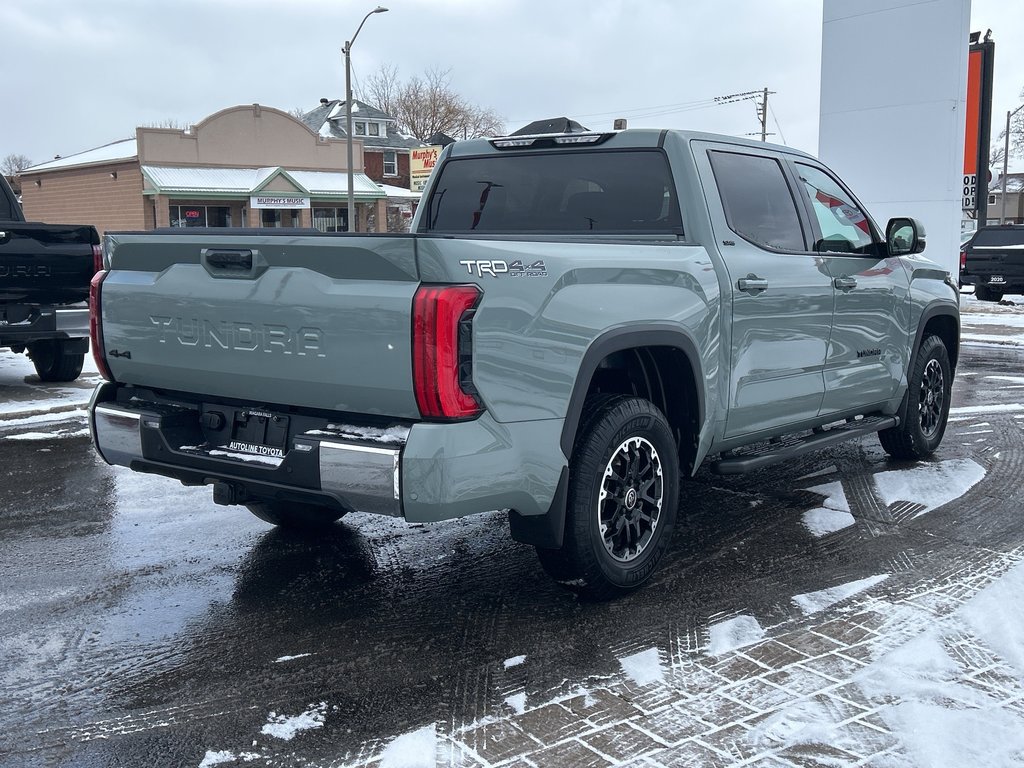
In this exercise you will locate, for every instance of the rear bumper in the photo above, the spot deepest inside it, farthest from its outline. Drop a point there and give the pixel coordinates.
(340, 474)
(437, 472)
(72, 323)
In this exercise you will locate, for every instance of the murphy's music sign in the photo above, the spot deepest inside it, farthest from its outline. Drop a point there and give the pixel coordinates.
(421, 162)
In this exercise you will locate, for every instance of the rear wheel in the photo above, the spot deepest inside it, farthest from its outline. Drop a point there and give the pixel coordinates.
(53, 363)
(294, 516)
(928, 396)
(984, 293)
(623, 498)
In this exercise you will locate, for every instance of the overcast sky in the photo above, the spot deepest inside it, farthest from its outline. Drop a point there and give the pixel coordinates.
(81, 73)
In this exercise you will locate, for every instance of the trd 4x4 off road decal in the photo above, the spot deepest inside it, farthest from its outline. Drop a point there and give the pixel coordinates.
(481, 267)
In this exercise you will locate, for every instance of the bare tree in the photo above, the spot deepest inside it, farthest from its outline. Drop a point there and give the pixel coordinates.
(167, 122)
(382, 89)
(14, 164)
(298, 113)
(428, 104)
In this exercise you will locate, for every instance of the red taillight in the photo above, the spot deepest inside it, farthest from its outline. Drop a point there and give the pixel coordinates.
(97, 258)
(99, 353)
(963, 260)
(442, 363)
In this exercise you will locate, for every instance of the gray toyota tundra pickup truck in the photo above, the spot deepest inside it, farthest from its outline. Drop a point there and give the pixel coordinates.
(574, 322)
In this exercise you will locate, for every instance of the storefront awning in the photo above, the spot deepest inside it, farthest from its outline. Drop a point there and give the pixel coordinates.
(234, 182)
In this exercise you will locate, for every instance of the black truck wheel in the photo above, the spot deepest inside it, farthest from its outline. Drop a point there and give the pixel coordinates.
(984, 293)
(928, 396)
(53, 362)
(623, 498)
(294, 516)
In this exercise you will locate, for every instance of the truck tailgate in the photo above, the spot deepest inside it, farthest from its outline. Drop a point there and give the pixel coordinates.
(307, 320)
(45, 263)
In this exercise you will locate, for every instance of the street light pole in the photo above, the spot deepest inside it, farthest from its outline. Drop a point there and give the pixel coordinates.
(347, 50)
(1006, 159)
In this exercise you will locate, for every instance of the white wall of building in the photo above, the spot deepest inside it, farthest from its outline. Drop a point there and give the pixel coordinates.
(893, 101)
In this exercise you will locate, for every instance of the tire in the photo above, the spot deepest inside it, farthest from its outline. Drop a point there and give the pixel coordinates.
(984, 293)
(52, 363)
(295, 516)
(623, 498)
(928, 396)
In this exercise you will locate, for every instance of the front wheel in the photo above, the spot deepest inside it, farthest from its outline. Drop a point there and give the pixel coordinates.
(623, 498)
(928, 396)
(294, 516)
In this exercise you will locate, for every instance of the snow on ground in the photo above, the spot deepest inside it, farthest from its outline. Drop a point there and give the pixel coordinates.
(517, 702)
(833, 515)
(813, 602)
(644, 668)
(417, 749)
(515, 661)
(942, 718)
(929, 484)
(49, 435)
(281, 659)
(287, 727)
(734, 633)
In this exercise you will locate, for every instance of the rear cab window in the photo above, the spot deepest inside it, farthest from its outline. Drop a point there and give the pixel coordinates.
(573, 192)
(1002, 237)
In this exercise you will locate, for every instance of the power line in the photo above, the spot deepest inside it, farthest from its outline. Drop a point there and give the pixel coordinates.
(781, 134)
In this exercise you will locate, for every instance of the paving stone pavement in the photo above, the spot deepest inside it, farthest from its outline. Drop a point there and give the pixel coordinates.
(745, 707)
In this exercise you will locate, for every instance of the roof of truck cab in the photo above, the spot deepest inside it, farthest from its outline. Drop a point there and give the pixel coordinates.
(631, 137)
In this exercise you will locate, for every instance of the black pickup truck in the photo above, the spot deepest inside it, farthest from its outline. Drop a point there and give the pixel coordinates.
(45, 271)
(993, 261)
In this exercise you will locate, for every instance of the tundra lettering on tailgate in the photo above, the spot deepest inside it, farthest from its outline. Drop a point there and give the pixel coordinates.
(244, 337)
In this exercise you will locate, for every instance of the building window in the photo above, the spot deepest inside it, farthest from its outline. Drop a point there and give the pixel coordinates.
(360, 129)
(375, 129)
(330, 219)
(200, 216)
(991, 199)
(390, 163)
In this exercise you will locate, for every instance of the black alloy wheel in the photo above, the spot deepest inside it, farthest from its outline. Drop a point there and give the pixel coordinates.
(623, 498)
(926, 408)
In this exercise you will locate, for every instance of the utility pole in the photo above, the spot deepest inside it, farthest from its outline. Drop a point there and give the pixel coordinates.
(760, 99)
(762, 112)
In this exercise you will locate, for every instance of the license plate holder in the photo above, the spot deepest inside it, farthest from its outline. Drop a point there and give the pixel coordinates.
(259, 432)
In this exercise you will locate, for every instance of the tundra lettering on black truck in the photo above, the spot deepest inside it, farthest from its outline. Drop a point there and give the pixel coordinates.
(691, 298)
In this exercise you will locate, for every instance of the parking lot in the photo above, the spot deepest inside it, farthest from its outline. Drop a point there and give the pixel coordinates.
(841, 609)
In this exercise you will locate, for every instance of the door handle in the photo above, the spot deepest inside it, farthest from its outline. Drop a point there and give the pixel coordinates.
(845, 283)
(752, 284)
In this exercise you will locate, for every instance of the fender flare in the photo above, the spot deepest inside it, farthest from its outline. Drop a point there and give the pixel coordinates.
(616, 340)
(937, 308)
(548, 530)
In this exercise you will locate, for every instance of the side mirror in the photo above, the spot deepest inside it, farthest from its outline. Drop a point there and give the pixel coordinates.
(903, 236)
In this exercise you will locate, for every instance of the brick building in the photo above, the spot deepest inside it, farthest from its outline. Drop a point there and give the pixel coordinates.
(243, 166)
(385, 149)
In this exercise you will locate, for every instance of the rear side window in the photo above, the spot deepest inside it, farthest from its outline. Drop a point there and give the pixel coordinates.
(603, 192)
(758, 202)
(998, 238)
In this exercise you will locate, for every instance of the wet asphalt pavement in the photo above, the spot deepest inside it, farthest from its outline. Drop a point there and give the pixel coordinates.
(141, 625)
